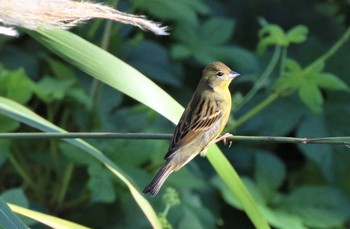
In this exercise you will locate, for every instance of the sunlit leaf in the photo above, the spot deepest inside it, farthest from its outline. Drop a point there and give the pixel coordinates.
(330, 81)
(297, 34)
(311, 95)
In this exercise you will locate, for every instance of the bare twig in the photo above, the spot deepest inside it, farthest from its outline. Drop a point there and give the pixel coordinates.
(158, 136)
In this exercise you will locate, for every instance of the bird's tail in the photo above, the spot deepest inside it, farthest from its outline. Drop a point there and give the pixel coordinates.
(156, 183)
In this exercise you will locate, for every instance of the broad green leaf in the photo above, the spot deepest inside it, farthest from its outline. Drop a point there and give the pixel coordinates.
(311, 95)
(60, 70)
(50, 89)
(179, 11)
(279, 119)
(186, 34)
(290, 81)
(75, 155)
(15, 85)
(271, 35)
(18, 197)
(180, 51)
(319, 207)
(281, 219)
(330, 81)
(8, 219)
(314, 126)
(79, 96)
(15, 196)
(217, 30)
(48, 220)
(101, 184)
(292, 66)
(269, 174)
(154, 61)
(297, 34)
(20, 113)
(190, 220)
(314, 69)
(112, 71)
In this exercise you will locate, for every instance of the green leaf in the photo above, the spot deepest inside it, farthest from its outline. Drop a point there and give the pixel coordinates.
(311, 95)
(75, 155)
(60, 70)
(8, 219)
(18, 197)
(49, 89)
(100, 184)
(314, 69)
(15, 85)
(314, 126)
(319, 207)
(330, 81)
(15, 196)
(281, 219)
(217, 30)
(190, 220)
(292, 66)
(269, 174)
(180, 51)
(154, 61)
(48, 220)
(181, 11)
(279, 119)
(80, 97)
(271, 35)
(297, 34)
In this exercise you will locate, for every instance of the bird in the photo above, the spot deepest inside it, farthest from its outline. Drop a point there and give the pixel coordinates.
(201, 123)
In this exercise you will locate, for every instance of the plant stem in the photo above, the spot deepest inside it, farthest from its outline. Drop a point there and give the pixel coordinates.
(21, 172)
(343, 39)
(66, 178)
(283, 59)
(157, 136)
(90, 135)
(262, 79)
(96, 85)
(256, 110)
(275, 139)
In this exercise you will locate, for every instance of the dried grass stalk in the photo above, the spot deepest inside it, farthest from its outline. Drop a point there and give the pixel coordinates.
(64, 14)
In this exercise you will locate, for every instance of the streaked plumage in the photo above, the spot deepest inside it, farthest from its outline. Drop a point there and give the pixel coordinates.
(201, 123)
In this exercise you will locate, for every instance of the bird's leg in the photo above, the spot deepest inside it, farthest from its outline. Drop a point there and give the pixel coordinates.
(223, 138)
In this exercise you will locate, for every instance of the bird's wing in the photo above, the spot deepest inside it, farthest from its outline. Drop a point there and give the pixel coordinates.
(200, 115)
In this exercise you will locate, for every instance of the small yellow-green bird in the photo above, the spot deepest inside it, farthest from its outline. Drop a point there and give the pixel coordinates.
(201, 123)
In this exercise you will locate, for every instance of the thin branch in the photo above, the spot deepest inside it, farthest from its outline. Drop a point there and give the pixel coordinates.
(90, 135)
(158, 136)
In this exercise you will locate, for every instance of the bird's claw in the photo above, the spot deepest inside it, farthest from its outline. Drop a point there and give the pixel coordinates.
(224, 139)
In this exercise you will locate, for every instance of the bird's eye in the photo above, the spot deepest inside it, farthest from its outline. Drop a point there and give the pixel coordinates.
(219, 74)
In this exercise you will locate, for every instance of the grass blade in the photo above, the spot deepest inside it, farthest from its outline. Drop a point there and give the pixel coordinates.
(8, 219)
(48, 220)
(24, 115)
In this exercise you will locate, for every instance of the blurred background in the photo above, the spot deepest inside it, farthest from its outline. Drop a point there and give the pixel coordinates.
(295, 186)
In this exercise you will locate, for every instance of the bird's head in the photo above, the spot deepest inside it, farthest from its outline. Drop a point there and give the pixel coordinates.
(218, 75)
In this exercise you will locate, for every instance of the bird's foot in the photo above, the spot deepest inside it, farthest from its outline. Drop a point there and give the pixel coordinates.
(223, 138)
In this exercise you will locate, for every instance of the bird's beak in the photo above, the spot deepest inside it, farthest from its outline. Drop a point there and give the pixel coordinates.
(233, 74)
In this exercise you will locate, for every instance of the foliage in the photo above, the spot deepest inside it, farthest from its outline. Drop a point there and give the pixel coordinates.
(299, 76)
